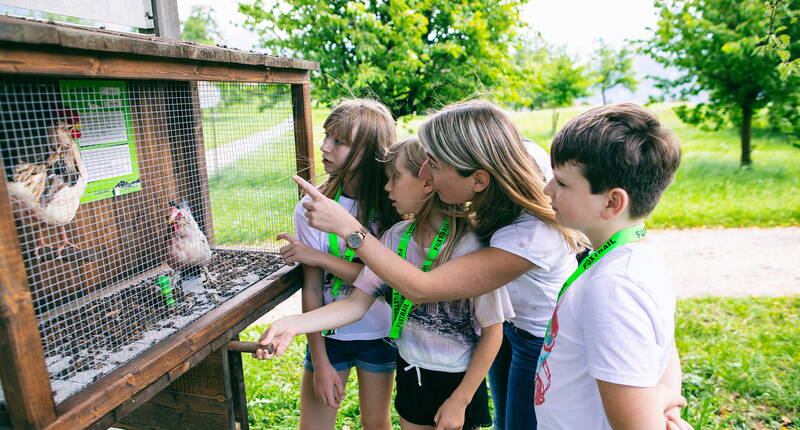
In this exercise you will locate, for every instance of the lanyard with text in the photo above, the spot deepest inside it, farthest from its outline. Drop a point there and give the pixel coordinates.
(333, 242)
(400, 305)
(622, 237)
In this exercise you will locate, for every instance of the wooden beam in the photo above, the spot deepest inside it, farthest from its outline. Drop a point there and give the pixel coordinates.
(17, 59)
(60, 36)
(26, 382)
(165, 14)
(303, 131)
(173, 355)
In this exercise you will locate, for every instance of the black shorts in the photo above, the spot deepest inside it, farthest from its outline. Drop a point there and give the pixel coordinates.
(419, 404)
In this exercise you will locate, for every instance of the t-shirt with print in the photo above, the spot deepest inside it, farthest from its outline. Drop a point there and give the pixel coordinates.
(439, 336)
(376, 322)
(534, 292)
(615, 323)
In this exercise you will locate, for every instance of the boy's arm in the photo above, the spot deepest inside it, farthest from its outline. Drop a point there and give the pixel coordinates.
(669, 388)
(451, 413)
(630, 407)
(298, 252)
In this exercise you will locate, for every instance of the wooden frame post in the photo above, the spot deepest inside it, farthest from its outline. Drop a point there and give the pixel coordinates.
(26, 381)
(303, 130)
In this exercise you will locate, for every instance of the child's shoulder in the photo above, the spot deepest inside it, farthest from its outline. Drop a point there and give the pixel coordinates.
(632, 269)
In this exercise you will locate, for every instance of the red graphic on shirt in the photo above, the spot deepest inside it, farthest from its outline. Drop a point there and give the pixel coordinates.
(541, 385)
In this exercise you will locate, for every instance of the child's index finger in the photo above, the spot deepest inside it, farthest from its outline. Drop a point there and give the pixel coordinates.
(308, 188)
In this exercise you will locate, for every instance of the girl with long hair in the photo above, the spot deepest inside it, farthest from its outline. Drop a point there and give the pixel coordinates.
(357, 132)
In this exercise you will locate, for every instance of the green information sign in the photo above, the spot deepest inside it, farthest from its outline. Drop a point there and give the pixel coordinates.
(107, 145)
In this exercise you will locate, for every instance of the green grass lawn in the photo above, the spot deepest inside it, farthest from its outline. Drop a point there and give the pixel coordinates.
(739, 358)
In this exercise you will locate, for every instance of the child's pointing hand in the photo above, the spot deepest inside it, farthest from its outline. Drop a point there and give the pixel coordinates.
(298, 252)
(325, 214)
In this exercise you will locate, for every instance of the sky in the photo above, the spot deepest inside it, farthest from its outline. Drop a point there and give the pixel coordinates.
(574, 24)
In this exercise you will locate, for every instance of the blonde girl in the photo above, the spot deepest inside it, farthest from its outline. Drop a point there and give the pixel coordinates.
(445, 348)
(476, 155)
(357, 133)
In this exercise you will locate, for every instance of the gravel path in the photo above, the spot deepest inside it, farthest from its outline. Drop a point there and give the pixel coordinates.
(733, 262)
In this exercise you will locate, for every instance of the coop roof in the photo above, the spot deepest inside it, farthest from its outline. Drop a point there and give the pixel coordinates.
(24, 31)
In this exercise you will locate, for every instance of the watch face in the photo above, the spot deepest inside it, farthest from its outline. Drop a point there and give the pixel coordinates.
(355, 240)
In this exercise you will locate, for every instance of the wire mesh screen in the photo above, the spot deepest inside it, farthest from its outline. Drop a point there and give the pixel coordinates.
(140, 206)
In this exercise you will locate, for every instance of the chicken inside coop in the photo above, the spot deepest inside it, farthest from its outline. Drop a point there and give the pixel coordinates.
(187, 246)
(50, 188)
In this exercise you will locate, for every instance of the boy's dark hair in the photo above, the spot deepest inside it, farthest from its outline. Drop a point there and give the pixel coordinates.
(621, 146)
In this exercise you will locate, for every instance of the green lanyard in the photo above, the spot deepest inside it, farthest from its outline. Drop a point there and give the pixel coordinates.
(400, 305)
(622, 237)
(333, 242)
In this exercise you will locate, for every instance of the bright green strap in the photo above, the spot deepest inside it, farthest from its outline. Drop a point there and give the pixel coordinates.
(401, 306)
(333, 242)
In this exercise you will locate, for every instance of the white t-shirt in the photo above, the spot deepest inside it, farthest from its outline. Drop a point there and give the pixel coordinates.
(439, 336)
(534, 293)
(540, 157)
(376, 322)
(616, 324)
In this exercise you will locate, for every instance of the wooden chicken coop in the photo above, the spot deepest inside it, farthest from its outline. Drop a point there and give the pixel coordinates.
(144, 182)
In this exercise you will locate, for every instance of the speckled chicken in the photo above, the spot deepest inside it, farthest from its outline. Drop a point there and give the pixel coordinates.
(188, 246)
(51, 189)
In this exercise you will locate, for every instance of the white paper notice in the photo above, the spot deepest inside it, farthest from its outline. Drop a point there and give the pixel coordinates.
(108, 162)
(98, 127)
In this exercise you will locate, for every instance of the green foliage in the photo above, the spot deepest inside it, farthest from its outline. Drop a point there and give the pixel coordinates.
(613, 68)
(714, 42)
(200, 26)
(779, 43)
(413, 55)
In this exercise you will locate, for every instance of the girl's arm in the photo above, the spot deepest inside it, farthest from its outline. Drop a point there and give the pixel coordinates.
(330, 316)
(298, 252)
(451, 414)
(467, 276)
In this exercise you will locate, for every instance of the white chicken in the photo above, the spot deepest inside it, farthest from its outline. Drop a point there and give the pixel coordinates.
(188, 246)
(51, 190)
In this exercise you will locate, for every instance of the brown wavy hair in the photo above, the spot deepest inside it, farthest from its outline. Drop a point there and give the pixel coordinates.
(367, 127)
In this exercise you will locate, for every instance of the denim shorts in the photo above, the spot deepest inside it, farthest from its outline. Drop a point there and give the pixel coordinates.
(376, 356)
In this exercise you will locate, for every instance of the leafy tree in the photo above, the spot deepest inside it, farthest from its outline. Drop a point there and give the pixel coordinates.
(714, 42)
(561, 82)
(411, 54)
(201, 26)
(613, 68)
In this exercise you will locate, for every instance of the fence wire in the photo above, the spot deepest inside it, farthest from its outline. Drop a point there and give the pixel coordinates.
(141, 206)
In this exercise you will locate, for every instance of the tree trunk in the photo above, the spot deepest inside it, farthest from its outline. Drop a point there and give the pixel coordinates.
(555, 122)
(746, 132)
(603, 93)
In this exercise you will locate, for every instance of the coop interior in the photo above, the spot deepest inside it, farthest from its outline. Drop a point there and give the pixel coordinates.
(140, 206)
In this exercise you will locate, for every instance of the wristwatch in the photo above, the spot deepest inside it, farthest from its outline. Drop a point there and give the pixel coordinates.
(356, 239)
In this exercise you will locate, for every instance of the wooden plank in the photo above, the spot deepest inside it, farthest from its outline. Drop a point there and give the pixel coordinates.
(62, 35)
(166, 18)
(237, 388)
(303, 131)
(74, 63)
(202, 168)
(202, 393)
(102, 397)
(26, 384)
(188, 153)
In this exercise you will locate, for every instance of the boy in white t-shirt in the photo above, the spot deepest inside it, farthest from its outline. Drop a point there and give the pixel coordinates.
(609, 357)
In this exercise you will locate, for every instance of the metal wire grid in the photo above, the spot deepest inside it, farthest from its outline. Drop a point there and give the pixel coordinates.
(113, 185)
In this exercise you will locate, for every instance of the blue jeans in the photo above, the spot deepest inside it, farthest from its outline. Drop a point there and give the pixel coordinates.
(511, 379)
